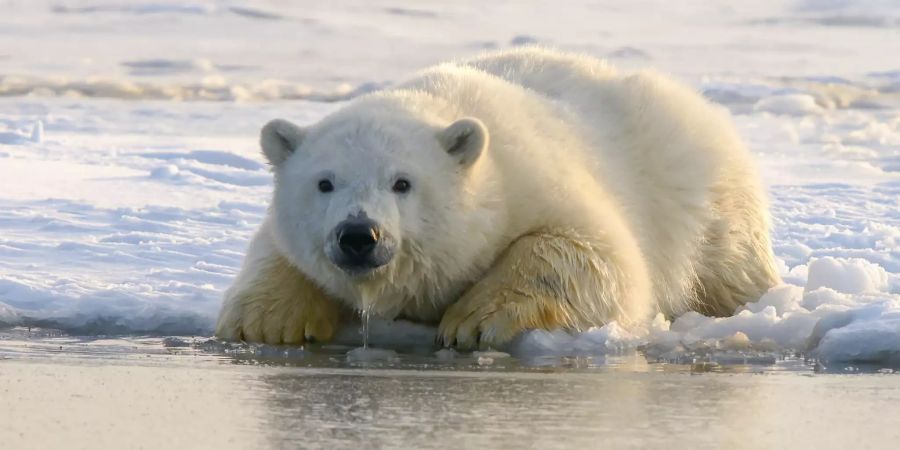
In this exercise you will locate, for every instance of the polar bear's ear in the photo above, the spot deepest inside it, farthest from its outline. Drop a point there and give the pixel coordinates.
(466, 139)
(279, 139)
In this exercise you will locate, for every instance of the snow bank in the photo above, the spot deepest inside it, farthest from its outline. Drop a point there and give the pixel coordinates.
(854, 13)
(843, 315)
(210, 88)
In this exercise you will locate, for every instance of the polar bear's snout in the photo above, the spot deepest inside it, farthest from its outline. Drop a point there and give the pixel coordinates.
(362, 245)
(357, 239)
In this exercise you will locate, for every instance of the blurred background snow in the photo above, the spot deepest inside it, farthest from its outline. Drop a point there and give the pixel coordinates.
(130, 179)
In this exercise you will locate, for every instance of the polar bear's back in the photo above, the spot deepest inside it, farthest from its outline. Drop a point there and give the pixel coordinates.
(551, 73)
(686, 184)
(640, 148)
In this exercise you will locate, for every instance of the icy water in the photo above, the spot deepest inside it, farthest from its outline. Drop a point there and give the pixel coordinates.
(65, 392)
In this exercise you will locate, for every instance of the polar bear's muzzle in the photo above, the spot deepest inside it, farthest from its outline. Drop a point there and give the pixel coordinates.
(361, 245)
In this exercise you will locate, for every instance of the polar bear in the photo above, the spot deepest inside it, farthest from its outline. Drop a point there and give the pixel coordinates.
(521, 189)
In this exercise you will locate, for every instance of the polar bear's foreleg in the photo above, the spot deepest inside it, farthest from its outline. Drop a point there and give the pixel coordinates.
(550, 280)
(273, 302)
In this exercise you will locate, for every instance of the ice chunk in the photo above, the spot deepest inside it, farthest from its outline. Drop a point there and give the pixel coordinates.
(824, 296)
(542, 342)
(8, 315)
(737, 341)
(850, 276)
(608, 339)
(446, 354)
(790, 104)
(783, 298)
(166, 171)
(37, 132)
(867, 335)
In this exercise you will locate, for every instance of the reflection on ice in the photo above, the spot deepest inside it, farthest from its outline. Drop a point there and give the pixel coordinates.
(371, 354)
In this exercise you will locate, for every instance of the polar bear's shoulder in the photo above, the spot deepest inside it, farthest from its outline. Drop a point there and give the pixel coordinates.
(541, 69)
(534, 69)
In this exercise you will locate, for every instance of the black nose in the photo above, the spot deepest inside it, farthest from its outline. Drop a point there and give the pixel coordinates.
(357, 239)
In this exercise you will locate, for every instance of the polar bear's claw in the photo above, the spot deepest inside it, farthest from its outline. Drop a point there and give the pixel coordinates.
(300, 322)
(277, 306)
(475, 323)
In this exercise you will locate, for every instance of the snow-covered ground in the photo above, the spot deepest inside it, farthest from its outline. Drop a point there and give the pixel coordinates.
(130, 179)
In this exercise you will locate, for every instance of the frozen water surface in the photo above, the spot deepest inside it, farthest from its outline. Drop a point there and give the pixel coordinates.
(131, 181)
(63, 392)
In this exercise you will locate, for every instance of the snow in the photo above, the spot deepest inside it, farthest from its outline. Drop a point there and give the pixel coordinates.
(130, 178)
(790, 104)
(820, 318)
(851, 276)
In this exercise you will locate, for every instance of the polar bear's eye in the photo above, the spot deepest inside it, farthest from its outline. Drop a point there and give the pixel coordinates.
(325, 186)
(401, 186)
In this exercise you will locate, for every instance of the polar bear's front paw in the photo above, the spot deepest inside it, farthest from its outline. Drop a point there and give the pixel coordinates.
(293, 322)
(493, 322)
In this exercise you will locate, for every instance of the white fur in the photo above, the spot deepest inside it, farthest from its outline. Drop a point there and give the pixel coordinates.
(639, 169)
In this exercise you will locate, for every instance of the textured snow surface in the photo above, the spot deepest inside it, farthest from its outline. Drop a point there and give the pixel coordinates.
(130, 179)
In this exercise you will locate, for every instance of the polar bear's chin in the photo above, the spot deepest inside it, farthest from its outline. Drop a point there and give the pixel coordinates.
(359, 273)
(362, 274)
(362, 268)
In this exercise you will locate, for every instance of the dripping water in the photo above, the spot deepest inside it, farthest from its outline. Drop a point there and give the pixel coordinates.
(364, 314)
(364, 318)
(365, 354)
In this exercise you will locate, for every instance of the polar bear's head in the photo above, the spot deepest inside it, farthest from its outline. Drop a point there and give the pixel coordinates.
(372, 192)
